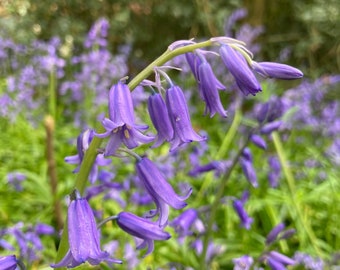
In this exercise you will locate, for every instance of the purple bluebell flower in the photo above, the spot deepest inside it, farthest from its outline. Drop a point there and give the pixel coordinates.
(217, 166)
(83, 235)
(270, 127)
(239, 68)
(209, 86)
(97, 34)
(8, 262)
(308, 261)
(16, 179)
(83, 143)
(246, 221)
(212, 250)
(258, 141)
(277, 70)
(246, 162)
(160, 118)
(243, 263)
(272, 235)
(278, 261)
(159, 189)
(184, 221)
(270, 111)
(142, 228)
(274, 171)
(121, 126)
(180, 118)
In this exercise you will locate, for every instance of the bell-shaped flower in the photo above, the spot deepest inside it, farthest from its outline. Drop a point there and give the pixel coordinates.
(180, 118)
(258, 141)
(209, 86)
(239, 68)
(83, 235)
(272, 235)
(243, 263)
(278, 261)
(142, 228)
(159, 189)
(277, 70)
(160, 118)
(8, 262)
(83, 143)
(246, 221)
(248, 169)
(120, 125)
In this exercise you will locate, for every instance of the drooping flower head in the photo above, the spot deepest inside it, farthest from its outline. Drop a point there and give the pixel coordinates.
(160, 118)
(246, 221)
(243, 263)
(277, 70)
(159, 189)
(239, 68)
(121, 126)
(8, 262)
(246, 161)
(142, 228)
(180, 118)
(208, 84)
(83, 235)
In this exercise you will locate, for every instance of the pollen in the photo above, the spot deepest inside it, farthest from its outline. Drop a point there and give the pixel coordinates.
(126, 134)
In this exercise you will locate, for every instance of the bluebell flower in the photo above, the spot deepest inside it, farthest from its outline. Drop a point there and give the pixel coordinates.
(180, 118)
(160, 118)
(243, 263)
(16, 179)
(246, 162)
(277, 70)
(83, 235)
(246, 221)
(142, 228)
(270, 127)
(184, 221)
(274, 171)
(258, 141)
(121, 126)
(278, 261)
(272, 235)
(239, 68)
(83, 143)
(309, 262)
(8, 262)
(159, 189)
(208, 84)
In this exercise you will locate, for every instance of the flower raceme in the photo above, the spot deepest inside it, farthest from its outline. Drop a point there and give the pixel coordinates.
(84, 239)
(159, 189)
(142, 228)
(121, 126)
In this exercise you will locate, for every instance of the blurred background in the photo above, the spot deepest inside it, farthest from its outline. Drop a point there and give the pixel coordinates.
(305, 31)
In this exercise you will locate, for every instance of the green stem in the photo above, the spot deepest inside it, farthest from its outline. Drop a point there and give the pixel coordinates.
(52, 100)
(217, 201)
(221, 152)
(91, 152)
(303, 225)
